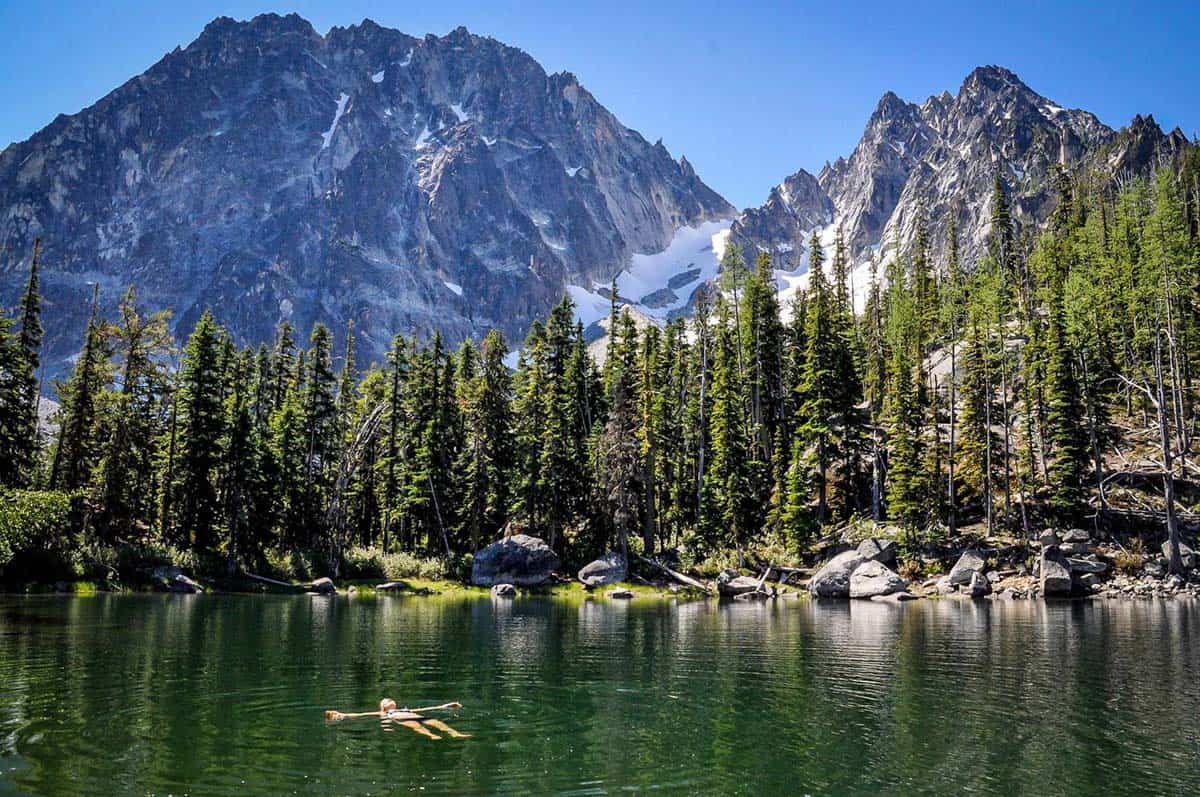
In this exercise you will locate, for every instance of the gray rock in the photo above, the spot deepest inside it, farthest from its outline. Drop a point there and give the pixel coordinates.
(833, 579)
(521, 560)
(1011, 594)
(1048, 538)
(1156, 568)
(608, 569)
(878, 550)
(978, 586)
(751, 596)
(504, 591)
(873, 578)
(945, 587)
(1185, 553)
(1055, 574)
(1081, 565)
(994, 576)
(972, 561)
(1089, 580)
(1076, 535)
(730, 584)
(1075, 548)
(620, 594)
(391, 586)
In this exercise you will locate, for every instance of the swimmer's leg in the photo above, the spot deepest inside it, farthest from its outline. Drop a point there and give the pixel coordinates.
(419, 728)
(446, 729)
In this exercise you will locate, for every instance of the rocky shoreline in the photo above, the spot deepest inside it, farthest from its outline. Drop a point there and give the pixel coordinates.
(1067, 564)
(1059, 564)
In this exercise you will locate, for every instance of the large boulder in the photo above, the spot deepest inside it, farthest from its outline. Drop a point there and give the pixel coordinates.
(971, 562)
(833, 579)
(520, 560)
(878, 550)
(873, 578)
(1055, 574)
(504, 591)
(608, 569)
(730, 584)
(1185, 553)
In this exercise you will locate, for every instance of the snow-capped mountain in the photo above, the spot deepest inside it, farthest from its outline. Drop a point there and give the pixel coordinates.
(940, 158)
(269, 172)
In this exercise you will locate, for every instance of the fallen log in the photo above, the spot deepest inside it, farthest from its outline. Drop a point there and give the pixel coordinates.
(680, 577)
(273, 582)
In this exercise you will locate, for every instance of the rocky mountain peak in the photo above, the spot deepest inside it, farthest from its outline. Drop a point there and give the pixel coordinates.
(938, 160)
(408, 184)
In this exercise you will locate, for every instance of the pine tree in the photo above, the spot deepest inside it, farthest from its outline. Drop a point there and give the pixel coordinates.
(1066, 435)
(728, 507)
(26, 439)
(488, 454)
(77, 448)
(201, 433)
(1001, 238)
(135, 421)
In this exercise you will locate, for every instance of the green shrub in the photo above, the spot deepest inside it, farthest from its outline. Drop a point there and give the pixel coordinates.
(373, 563)
(37, 521)
(289, 565)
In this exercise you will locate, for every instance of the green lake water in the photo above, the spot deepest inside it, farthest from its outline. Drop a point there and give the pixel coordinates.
(223, 695)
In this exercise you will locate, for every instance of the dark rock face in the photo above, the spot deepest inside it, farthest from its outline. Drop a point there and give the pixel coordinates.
(940, 157)
(519, 560)
(782, 226)
(272, 173)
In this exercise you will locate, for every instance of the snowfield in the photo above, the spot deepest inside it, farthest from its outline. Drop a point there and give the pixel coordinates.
(692, 249)
(327, 136)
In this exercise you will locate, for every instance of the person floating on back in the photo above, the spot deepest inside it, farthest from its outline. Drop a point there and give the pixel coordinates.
(409, 718)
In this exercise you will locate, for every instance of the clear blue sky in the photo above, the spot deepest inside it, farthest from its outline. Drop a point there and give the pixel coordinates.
(750, 91)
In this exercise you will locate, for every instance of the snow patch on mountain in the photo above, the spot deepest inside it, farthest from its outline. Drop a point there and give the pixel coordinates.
(454, 287)
(660, 285)
(378, 76)
(327, 136)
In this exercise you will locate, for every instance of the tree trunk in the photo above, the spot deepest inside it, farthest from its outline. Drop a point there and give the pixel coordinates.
(1174, 560)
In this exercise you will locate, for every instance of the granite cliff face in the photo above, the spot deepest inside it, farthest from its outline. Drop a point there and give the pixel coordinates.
(270, 173)
(940, 158)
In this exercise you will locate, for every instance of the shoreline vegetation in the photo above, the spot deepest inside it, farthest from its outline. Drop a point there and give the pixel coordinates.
(1019, 426)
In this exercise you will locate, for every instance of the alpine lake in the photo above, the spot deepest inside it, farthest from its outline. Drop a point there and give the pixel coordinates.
(226, 694)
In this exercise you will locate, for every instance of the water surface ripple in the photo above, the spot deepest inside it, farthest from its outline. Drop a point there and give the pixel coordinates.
(216, 695)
